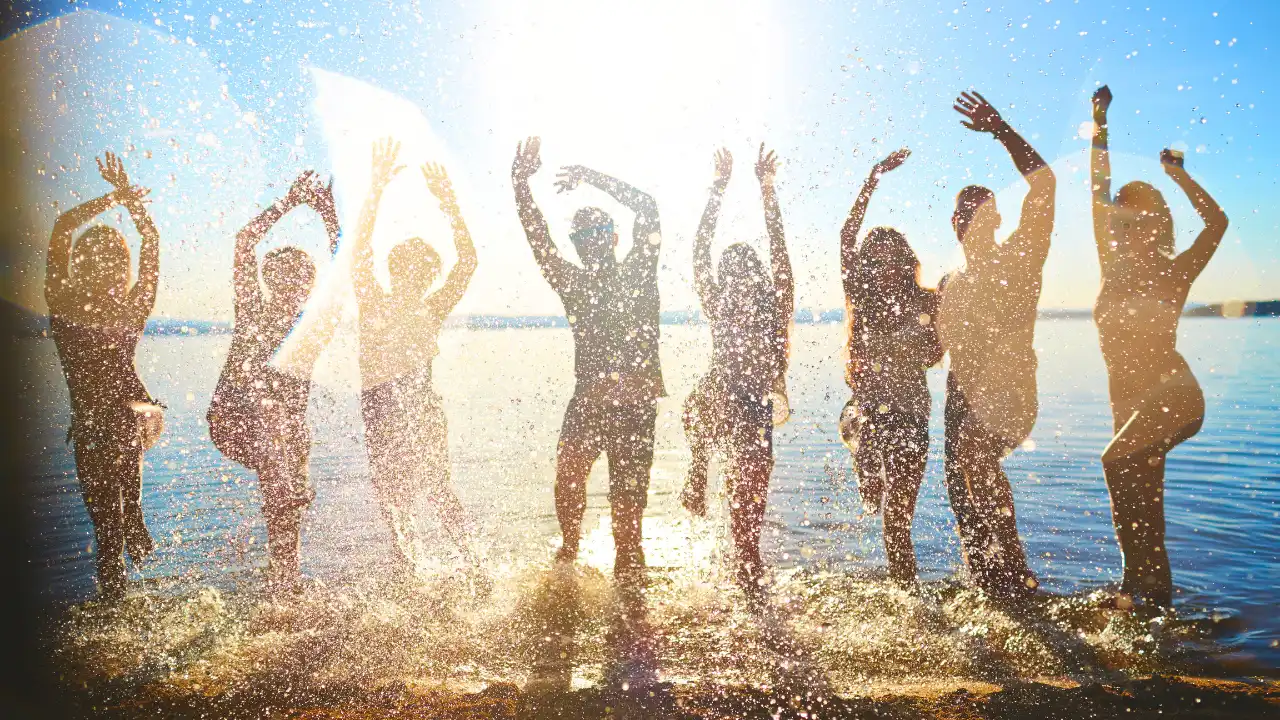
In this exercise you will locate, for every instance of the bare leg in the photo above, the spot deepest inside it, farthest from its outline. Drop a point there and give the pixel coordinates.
(700, 434)
(750, 466)
(992, 496)
(1136, 486)
(580, 445)
(285, 493)
(137, 537)
(905, 470)
(630, 448)
(97, 465)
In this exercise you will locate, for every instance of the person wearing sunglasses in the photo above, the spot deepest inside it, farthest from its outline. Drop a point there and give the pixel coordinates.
(1156, 402)
(893, 340)
(732, 409)
(987, 324)
(612, 307)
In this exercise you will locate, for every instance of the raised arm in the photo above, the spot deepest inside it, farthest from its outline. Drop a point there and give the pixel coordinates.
(142, 296)
(321, 200)
(704, 278)
(248, 294)
(1100, 178)
(1036, 223)
(853, 224)
(554, 267)
(1192, 261)
(384, 168)
(57, 277)
(446, 298)
(783, 282)
(647, 231)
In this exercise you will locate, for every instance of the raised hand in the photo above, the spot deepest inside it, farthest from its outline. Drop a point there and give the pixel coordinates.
(384, 163)
(133, 194)
(528, 159)
(893, 162)
(724, 167)
(112, 170)
(321, 199)
(766, 166)
(301, 190)
(1101, 101)
(439, 185)
(982, 116)
(570, 177)
(1172, 161)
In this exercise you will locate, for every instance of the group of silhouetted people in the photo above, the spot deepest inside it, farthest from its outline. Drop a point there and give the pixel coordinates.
(982, 315)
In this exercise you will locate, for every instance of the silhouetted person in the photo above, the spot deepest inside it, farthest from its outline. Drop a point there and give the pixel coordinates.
(96, 319)
(612, 307)
(1156, 402)
(987, 324)
(258, 416)
(730, 409)
(406, 434)
(893, 339)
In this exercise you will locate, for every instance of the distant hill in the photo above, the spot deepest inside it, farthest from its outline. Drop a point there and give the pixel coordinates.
(1249, 308)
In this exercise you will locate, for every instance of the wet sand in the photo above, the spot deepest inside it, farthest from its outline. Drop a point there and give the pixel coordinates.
(1045, 699)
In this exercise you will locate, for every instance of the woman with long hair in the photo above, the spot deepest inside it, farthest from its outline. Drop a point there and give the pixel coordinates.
(1156, 402)
(96, 319)
(405, 428)
(732, 409)
(892, 341)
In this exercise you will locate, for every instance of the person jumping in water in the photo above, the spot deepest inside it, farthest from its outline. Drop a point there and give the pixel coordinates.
(1156, 402)
(987, 324)
(405, 428)
(612, 307)
(96, 319)
(750, 315)
(258, 416)
(893, 339)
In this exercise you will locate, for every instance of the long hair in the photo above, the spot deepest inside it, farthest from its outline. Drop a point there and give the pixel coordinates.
(872, 300)
(748, 313)
(1149, 205)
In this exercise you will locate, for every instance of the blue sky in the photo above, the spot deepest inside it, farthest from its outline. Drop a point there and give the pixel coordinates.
(220, 100)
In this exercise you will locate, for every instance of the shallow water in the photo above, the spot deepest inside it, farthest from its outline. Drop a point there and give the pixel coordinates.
(198, 619)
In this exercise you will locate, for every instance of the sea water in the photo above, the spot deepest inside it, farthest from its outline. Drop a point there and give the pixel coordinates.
(197, 615)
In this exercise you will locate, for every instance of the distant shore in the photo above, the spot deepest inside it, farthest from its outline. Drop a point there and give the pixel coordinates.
(18, 321)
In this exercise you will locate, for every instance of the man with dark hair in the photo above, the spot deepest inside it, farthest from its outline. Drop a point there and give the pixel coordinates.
(987, 324)
(612, 308)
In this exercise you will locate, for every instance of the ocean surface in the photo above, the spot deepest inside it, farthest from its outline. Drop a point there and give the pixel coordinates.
(197, 614)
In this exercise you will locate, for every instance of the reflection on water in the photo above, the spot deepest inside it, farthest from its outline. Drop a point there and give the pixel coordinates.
(198, 621)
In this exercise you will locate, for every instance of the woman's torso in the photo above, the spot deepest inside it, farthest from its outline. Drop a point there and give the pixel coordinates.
(746, 350)
(890, 348)
(97, 356)
(250, 371)
(1138, 333)
(398, 342)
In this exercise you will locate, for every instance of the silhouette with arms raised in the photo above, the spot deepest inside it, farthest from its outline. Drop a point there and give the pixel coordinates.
(1156, 402)
(406, 433)
(258, 416)
(612, 306)
(986, 323)
(731, 409)
(96, 319)
(892, 340)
